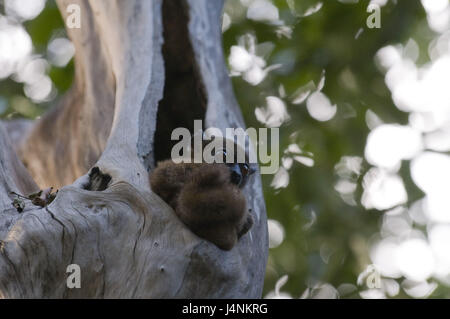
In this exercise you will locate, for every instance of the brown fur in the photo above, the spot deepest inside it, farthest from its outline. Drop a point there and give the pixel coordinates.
(204, 199)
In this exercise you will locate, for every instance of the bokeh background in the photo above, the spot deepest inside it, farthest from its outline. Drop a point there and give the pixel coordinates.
(360, 206)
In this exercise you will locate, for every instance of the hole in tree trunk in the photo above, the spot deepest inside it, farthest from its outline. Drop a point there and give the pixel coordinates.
(184, 98)
(97, 180)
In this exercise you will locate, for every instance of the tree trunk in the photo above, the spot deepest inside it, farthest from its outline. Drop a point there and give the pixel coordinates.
(142, 68)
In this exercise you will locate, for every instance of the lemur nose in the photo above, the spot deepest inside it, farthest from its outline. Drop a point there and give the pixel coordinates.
(236, 176)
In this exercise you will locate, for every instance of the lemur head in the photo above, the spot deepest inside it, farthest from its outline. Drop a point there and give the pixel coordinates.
(240, 167)
(225, 151)
(239, 172)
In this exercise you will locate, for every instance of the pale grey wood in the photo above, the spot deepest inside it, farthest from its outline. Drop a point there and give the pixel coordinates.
(127, 241)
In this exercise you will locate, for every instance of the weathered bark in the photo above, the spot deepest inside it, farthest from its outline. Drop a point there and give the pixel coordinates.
(131, 58)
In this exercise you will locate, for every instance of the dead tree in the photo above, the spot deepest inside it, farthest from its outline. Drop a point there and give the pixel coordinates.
(142, 68)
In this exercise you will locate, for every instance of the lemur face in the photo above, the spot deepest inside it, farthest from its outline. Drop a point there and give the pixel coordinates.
(239, 172)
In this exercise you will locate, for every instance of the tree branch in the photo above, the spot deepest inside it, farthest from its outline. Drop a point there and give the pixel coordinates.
(127, 241)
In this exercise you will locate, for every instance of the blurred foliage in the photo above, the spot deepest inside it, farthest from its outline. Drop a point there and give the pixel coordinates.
(325, 41)
(326, 239)
(45, 27)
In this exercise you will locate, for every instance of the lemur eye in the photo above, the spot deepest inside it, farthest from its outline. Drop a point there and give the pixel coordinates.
(244, 169)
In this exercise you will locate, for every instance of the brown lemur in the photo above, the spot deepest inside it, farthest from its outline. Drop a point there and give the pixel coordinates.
(207, 197)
